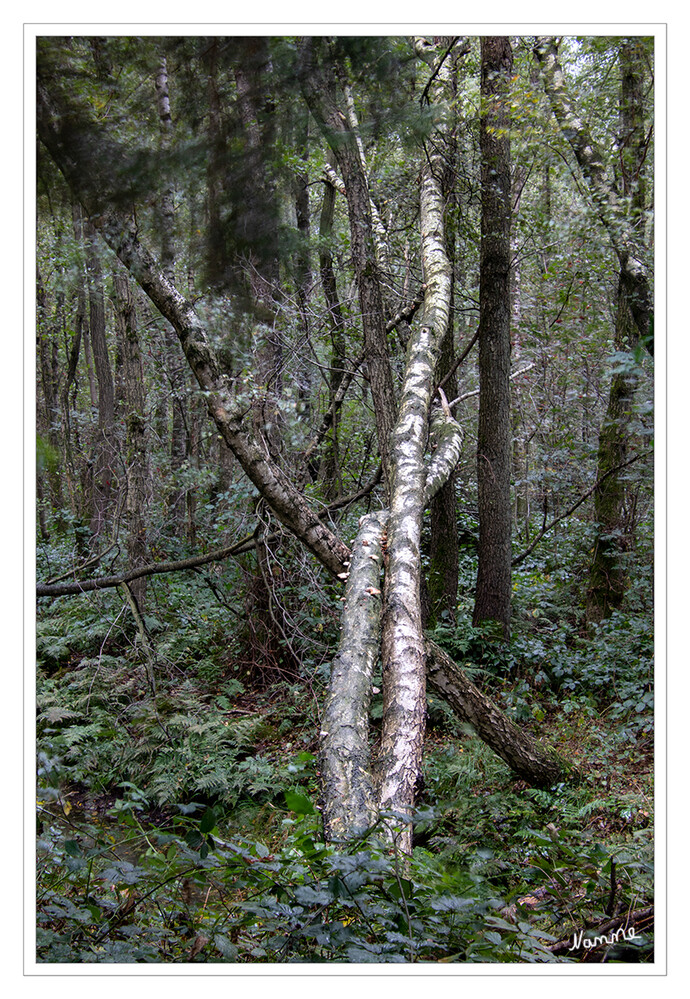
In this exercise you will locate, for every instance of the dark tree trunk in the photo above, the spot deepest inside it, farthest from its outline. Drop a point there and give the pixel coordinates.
(136, 449)
(105, 475)
(48, 333)
(175, 368)
(329, 470)
(526, 757)
(492, 600)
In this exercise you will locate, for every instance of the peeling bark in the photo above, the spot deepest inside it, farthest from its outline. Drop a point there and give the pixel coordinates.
(402, 642)
(355, 791)
(347, 788)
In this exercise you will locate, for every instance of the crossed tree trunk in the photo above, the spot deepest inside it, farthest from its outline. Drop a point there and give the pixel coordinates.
(381, 617)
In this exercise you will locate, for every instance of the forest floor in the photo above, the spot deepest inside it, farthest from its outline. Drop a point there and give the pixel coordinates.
(522, 870)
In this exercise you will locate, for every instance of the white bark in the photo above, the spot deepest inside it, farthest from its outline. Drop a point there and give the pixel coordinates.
(348, 795)
(402, 643)
(446, 441)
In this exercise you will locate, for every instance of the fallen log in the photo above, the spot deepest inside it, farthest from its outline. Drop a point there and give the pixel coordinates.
(536, 763)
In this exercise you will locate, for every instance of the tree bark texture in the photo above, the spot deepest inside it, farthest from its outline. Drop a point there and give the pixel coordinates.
(608, 577)
(402, 641)
(328, 472)
(349, 808)
(492, 598)
(440, 593)
(47, 334)
(529, 759)
(175, 367)
(136, 450)
(104, 475)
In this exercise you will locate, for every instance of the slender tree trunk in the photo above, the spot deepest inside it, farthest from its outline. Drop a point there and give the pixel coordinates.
(320, 92)
(47, 333)
(520, 456)
(166, 199)
(440, 593)
(627, 237)
(492, 600)
(174, 364)
(104, 460)
(258, 224)
(68, 403)
(136, 447)
(329, 473)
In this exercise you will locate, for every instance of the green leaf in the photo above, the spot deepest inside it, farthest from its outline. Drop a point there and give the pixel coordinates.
(227, 949)
(208, 821)
(299, 803)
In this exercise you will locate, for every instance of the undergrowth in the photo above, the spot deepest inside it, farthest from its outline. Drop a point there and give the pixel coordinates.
(178, 816)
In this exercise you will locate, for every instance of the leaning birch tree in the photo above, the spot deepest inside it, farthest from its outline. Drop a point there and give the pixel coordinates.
(382, 618)
(359, 790)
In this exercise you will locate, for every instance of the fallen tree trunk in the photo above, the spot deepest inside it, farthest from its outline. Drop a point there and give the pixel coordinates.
(351, 786)
(529, 759)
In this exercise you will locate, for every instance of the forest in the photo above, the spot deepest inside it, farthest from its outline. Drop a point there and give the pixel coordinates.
(344, 500)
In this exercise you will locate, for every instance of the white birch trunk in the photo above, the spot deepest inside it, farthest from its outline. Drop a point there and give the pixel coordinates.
(402, 642)
(347, 789)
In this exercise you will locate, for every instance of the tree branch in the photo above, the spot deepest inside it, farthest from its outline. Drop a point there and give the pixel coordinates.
(55, 589)
(547, 527)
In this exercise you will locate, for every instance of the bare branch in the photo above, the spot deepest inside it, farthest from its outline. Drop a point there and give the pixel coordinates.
(547, 527)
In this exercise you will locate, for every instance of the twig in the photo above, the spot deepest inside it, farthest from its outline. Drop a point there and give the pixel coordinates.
(547, 527)
(218, 555)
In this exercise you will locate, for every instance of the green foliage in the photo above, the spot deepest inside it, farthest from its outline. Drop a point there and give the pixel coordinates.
(177, 745)
(190, 892)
